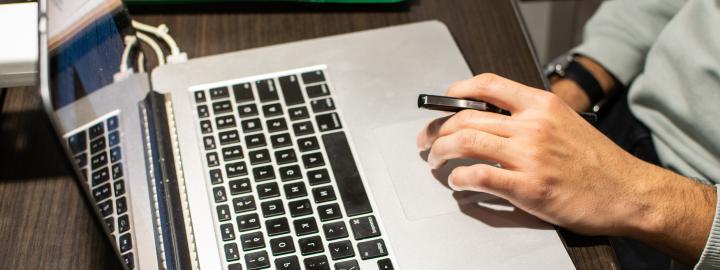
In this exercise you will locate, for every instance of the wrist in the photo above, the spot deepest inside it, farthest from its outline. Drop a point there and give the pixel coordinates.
(572, 94)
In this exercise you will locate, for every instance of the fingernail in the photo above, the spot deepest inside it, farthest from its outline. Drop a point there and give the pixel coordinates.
(455, 188)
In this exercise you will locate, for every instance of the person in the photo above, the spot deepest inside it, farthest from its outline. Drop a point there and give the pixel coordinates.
(555, 165)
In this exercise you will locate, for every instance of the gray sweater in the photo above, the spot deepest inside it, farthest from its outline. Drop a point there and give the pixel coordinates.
(669, 52)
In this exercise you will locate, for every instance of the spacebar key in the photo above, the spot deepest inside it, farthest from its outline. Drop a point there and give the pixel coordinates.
(350, 186)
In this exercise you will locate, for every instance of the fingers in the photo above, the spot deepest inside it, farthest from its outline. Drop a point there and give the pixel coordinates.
(493, 123)
(468, 143)
(485, 178)
(497, 90)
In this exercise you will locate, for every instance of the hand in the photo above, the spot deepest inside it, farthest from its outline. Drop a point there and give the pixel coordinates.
(558, 167)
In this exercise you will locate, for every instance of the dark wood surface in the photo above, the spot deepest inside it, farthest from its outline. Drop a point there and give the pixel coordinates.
(43, 221)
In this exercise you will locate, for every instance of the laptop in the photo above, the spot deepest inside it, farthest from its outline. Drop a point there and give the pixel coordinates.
(294, 156)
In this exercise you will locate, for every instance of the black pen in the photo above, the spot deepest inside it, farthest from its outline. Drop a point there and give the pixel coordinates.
(450, 104)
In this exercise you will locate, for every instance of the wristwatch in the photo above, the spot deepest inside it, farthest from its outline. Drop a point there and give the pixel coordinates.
(573, 70)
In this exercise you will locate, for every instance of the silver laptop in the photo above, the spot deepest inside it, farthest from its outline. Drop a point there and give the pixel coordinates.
(294, 156)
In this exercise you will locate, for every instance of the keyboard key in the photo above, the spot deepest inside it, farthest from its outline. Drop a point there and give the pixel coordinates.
(251, 125)
(372, 249)
(248, 222)
(203, 111)
(219, 93)
(280, 140)
(240, 186)
(291, 172)
(303, 128)
(129, 260)
(221, 107)
(295, 190)
(232, 153)
(291, 90)
(231, 252)
(364, 227)
(308, 144)
(285, 156)
(316, 263)
(327, 122)
(253, 240)
(106, 208)
(112, 123)
(115, 154)
(282, 245)
(100, 176)
(277, 226)
(243, 92)
(259, 156)
(229, 137)
(329, 212)
(121, 205)
(266, 90)
(347, 265)
(247, 110)
(255, 140)
(216, 176)
(117, 171)
(97, 130)
(341, 250)
(323, 194)
(206, 127)
(272, 208)
(123, 223)
(97, 145)
(77, 142)
(385, 264)
(119, 187)
(350, 186)
(199, 96)
(300, 208)
(298, 113)
(275, 125)
(268, 190)
(224, 122)
(102, 192)
(235, 266)
(219, 194)
(110, 223)
(287, 263)
(243, 204)
(316, 177)
(305, 226)
(235, 169)
(81, 160)
(317, 90)
(310, 245)
(271, 110)
(223, 212)
(322, 105)
(125, 242)
(257, 260)
(263, 173)
(114, 138)
(313, 160)
(335, 230)
(212, 159)
(209, 142)
(227, 231)
(313, 77)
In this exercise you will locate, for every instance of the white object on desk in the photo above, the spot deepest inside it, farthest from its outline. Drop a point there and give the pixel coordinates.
(19, 46)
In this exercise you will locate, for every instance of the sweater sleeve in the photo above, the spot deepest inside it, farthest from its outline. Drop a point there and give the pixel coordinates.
(710, 257)
(621, 33)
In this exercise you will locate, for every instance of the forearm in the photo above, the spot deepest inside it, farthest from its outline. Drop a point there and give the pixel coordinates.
(573, 95)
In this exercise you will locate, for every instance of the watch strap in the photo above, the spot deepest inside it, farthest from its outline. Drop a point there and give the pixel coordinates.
(587, 82)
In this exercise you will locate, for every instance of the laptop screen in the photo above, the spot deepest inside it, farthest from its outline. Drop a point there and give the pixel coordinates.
(85, 46)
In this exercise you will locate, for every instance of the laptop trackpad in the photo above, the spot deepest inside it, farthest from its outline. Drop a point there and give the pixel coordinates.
(423, 193)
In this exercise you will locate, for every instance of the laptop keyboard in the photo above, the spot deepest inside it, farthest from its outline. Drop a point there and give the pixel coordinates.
(98, 153)
(286, 190)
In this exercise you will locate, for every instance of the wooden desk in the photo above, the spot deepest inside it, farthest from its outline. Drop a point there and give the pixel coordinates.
(43, 221)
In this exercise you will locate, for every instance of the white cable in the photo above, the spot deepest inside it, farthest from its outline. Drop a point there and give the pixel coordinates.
(141, 62)
(161, 32)
(158, 52)
(130, 42)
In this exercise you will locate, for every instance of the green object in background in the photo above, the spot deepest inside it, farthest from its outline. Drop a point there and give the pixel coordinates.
(307, 1)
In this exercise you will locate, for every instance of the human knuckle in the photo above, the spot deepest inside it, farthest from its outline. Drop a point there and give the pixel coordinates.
(486, 79)
(467, 139)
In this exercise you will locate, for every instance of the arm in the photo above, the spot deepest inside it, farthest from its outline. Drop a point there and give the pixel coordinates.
(560, 169)
(616, 41)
